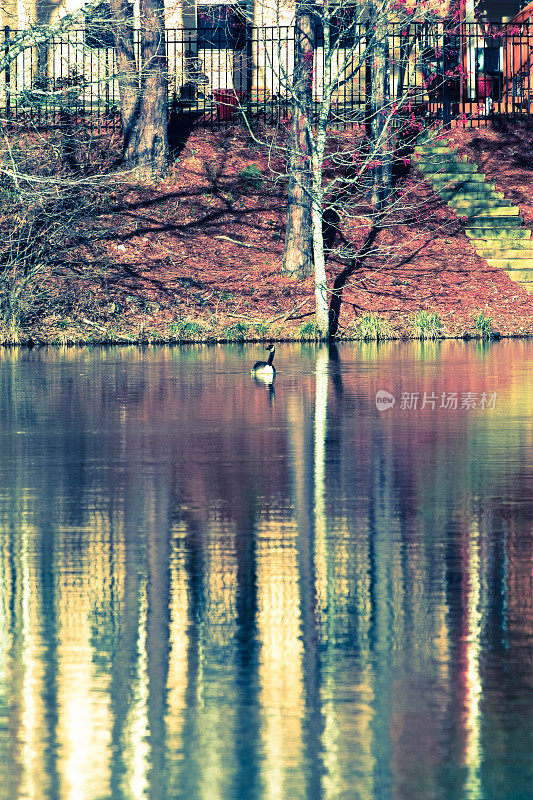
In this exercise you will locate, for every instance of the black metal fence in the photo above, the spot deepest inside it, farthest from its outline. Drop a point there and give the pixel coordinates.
(467, 74)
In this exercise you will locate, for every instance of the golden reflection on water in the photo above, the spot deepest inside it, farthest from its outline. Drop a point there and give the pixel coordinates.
(136, 729)
(473, 685)
(31, 704)
(280, 669)
(322, 553)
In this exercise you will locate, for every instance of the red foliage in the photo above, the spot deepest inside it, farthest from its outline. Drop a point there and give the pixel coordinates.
(207, 241)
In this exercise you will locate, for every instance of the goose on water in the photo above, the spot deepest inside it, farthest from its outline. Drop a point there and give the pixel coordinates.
(265, 370)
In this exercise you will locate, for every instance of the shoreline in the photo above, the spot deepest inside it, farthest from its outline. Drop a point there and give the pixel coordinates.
(79, 338)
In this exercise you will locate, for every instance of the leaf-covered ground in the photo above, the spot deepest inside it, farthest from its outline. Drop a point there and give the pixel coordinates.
(199, 253)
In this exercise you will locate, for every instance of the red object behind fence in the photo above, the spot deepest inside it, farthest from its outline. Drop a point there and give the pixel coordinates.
(484, 86)
(227, 101)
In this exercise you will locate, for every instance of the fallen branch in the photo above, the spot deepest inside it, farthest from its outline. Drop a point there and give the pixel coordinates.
(95, 324)
(235, 241)
(289, 314)
(301, 316)
(243, 316)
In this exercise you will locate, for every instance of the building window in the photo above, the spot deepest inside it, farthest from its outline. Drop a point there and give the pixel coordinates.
(345, 28)
(488, 60)
(221, 27)
(98, 28)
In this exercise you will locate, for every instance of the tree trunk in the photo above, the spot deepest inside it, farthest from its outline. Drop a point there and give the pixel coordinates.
(318, 224)
(321, 290)
(151, 142)
(144, 104)
(128, 83)
(298, 258)
(381, 140)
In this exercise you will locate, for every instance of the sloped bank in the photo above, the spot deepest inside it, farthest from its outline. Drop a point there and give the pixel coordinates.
(197, 258)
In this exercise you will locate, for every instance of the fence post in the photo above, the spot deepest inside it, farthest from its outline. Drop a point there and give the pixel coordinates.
(7, 31)
(249, 65)
(107, 79)
(446, 80)
(368, 83)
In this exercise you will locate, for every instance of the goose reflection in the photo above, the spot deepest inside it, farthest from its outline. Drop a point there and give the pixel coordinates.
(267, 384)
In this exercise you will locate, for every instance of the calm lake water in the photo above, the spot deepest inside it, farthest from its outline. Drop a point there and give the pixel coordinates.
(213, 590)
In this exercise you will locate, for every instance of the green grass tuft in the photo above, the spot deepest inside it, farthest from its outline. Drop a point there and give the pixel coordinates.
(425, 325)
(261, 329)
(308, 330)
(483, 325)
(252, 176)
(372, 327)
(185, 331)
(236, 333)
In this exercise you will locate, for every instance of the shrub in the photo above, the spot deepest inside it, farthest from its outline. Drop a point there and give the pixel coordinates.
(185, 330)
(41, 210)
(261, 329)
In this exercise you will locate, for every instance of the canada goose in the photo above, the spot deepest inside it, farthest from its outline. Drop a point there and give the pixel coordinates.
(265, 370)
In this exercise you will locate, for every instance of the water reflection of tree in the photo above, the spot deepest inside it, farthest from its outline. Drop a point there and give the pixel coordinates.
(308, 481)
(373, 580)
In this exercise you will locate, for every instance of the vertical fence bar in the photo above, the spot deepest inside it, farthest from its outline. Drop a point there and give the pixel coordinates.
(249, 69)
(529, 45)
(107, 87)
(21, 84)
(7, 78)
(368, 83)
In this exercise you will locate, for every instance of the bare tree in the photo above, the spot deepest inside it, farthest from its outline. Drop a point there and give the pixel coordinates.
(344, 48)
(142, 81)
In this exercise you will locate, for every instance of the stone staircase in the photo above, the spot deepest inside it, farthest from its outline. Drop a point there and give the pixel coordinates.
(493, 225)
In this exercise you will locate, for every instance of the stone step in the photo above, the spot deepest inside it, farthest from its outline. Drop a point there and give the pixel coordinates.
(522, 279)
(475, 195)
(493, 224)
(430, 154)
(491, 234)
(434, 142)
(436, 167)
(430, 148)
(487, 221)
(514, 264)
(503, 252)
(503, 243)
(459, 178)
(453, 186)
(485, 210)
(515, 271)
(481, 203)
